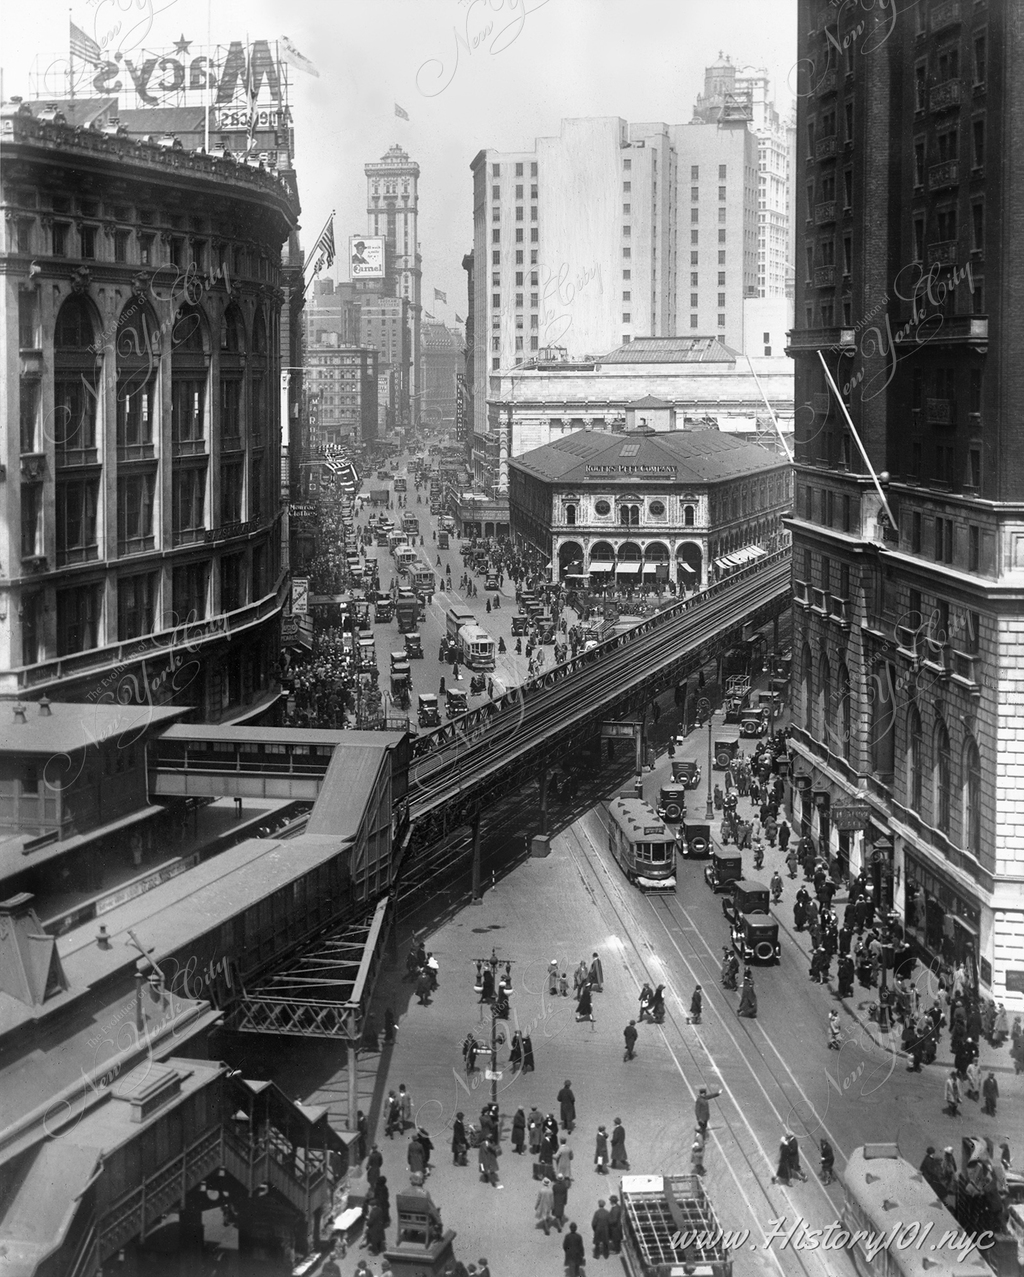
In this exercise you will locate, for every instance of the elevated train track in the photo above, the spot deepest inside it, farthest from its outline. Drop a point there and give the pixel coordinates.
(460, 768)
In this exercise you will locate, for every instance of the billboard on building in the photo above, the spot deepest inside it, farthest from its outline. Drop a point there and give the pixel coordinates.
(366, 255)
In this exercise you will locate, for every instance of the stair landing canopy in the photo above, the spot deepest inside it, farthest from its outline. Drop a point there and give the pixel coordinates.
(30, 966)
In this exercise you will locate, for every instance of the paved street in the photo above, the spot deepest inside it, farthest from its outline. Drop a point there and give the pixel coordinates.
(774, 1072)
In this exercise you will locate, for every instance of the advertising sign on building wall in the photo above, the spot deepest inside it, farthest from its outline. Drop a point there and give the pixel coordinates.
(366, 255)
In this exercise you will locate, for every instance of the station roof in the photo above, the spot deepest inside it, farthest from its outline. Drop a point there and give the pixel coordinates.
(72, 726)
(344, 797)
(677, 456)
(672, 350)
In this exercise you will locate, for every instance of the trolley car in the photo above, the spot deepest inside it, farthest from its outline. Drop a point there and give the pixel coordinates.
(643, 844)
(888, 1201)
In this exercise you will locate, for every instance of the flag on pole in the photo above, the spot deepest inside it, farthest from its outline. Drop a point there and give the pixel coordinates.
(325, 244)
(440, 297)
(294, 58)
(427, 315)
(459, 319)
(82, 46)
(250, 94)
(402, 115)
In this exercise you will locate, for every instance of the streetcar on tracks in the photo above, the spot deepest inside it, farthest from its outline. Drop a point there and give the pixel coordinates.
(897, 1224)
(641, 842)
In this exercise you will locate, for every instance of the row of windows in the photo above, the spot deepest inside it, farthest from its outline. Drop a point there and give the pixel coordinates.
(534, 235)
(496, 169)
(79, 610)
(182, 252)
(927, 779)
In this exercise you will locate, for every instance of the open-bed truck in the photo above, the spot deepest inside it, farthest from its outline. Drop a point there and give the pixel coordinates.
(669, 1227)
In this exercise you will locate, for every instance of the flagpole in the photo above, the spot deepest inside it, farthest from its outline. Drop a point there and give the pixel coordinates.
(71, 61)
(206, 131)
(322, 229)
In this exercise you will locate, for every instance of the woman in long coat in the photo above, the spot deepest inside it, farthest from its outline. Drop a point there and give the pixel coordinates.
(748, 998)
(460, 1144)
(619, 1159)
(515, 1056)
(527, 1054)
(417, 1156)
(535, 1127)
(544, 1207)
(584, 1007)
(375, 1229)
(658, 1004)
(489, 1152)
(519, 1131)
(596, 974)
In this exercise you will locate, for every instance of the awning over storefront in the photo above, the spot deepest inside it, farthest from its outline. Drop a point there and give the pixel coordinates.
(599, 565)
(685, 567)
(650, 569)
(630, 567)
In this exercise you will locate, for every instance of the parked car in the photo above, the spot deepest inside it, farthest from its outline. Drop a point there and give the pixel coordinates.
(491, 581)
(723, 869)
(725, 752)
(672, 803)
(696, 840)
(686, 772)
(753, 723)
(747, 896)
(414, 646)
(520, 626)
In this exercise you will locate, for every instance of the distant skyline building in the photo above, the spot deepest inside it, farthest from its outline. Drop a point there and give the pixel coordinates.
(443, 360)
(731, 94)
(392, 211)
(583, 242)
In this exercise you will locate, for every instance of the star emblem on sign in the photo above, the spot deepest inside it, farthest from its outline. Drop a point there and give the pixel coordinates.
(181, 45)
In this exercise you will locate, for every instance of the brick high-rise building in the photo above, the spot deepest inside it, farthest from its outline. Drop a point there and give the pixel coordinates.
(909, 635)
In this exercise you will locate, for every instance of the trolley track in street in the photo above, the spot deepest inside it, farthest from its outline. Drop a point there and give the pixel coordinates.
(607, 887)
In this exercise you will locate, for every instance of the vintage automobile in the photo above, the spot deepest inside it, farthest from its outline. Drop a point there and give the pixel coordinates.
(672, 803)
(414, 646)
(384, 608)
(725, 752)
(428, 714)
(747, 896)
(695, 840)
(753, 723)
(520, 626)
(442, 540)
(455, 702)
(737, 697)
(546, 627)
(723, 869)
(401, 683)
(686, 772)
(491, 581)
(527, 599)
(755, 938)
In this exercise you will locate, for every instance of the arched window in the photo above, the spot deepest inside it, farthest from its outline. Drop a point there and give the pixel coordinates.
(808, 688)
(688, 516)
(570, 515)
(972, 798)
(629, 516)
(259, 400)
(845, 725)
(915, 759)
(188, 380)
(75, 377)
(883, 725)
(232, 362)
(137, 349)
(941, 776)
(826, 726)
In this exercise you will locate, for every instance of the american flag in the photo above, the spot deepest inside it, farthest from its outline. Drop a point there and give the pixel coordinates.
(402, 114)
(84, 47)
(440, 297)
(325, 244)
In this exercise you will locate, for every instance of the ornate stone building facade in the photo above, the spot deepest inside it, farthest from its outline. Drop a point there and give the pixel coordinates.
(140, 538)
(646, 510)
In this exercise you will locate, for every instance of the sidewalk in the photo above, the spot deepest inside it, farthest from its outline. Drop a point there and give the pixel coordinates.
(525, 920)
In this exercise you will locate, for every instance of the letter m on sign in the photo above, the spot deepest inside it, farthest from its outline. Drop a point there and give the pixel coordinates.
(233, 76)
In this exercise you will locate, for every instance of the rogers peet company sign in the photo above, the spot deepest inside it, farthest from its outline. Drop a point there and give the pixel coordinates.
(620, 469)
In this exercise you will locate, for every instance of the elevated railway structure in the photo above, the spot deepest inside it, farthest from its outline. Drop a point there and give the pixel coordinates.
(469, 763)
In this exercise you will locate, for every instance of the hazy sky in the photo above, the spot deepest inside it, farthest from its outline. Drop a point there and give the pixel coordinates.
(529, 63)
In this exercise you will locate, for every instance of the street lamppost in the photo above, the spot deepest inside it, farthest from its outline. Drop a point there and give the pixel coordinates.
(499, 995)
(704, 714)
